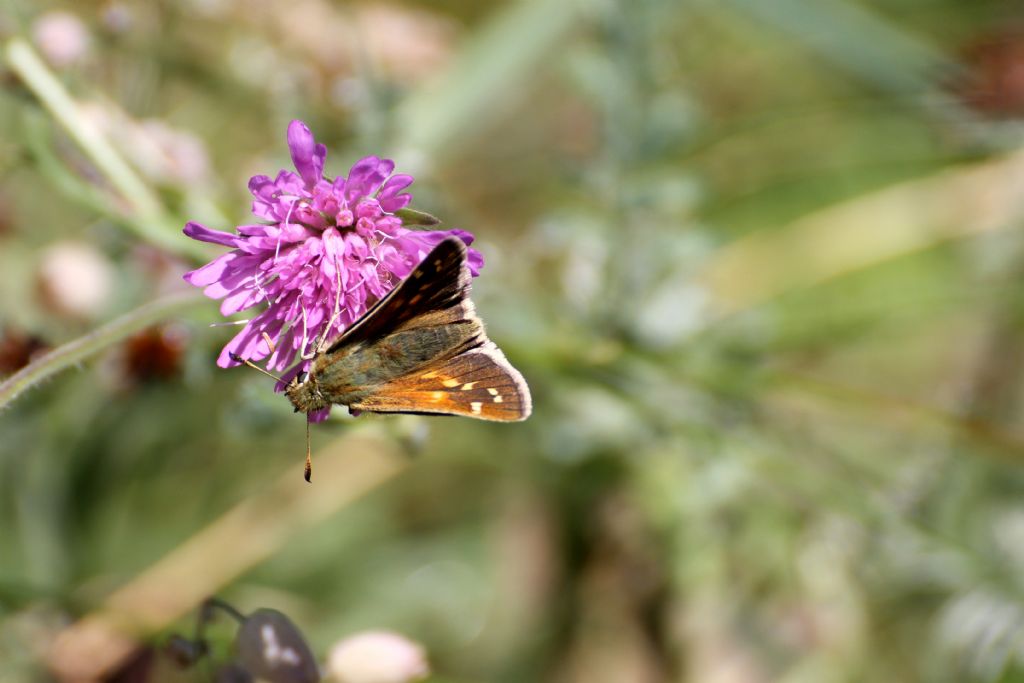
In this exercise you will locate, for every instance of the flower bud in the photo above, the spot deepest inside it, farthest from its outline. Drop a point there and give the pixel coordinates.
(377, 657)
(75, 279)
(61, 37)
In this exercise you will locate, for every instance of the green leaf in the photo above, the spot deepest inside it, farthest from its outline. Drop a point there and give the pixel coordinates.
(413, 218)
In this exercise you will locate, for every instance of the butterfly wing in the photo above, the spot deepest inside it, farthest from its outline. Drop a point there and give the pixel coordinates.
(422, 349)
(439, 282)
(478, 383)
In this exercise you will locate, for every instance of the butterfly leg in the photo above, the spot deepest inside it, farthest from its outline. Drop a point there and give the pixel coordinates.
(270, 342)
(306, 355)
(337, 309)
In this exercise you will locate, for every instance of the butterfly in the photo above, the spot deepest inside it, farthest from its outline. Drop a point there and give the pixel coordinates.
(421, 349)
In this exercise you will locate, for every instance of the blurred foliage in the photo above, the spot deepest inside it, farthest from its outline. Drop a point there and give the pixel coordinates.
(760, 261)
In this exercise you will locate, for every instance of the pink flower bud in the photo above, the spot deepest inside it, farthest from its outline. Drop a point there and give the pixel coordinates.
(62, 38)
(75, 279)
(377, 657)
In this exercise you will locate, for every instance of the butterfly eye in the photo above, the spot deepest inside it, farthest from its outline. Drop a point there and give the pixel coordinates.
(302, 377)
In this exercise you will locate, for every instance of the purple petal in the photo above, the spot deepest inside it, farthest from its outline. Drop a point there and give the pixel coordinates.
(366, 176)
(200, 232)
(389, 197)
(399, 201)
(467, 237)
(252, 230)
(474, 259)
(419, 243)
(307, 156)
(212, 271)
(284, 354)
(288, 183)
(244, 344)
(375, 180)
(318, 415)
(239, 300)
(262, 187)
(394, 185)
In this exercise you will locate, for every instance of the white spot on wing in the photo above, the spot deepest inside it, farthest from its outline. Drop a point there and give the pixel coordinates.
(476, 407)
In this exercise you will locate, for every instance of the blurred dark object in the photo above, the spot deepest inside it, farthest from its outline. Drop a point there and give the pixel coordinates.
(138, 669)
(154, 354)
(994, 81)
(268, 647)
(17, 349)
(232, 673)
(184, 652)
(6, 206)
(272, 648)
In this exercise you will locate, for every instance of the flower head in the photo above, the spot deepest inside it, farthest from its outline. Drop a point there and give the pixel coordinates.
(323, 252)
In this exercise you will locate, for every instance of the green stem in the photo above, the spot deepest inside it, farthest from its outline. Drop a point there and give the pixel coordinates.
(100, 338)
(148, 217)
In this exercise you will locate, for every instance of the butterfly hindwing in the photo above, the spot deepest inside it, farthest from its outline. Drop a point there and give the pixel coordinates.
(476, 383)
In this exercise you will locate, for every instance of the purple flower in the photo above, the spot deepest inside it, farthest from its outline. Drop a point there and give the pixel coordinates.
(324, 249)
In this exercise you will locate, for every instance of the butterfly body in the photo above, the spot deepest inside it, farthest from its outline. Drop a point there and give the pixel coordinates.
(420, 349)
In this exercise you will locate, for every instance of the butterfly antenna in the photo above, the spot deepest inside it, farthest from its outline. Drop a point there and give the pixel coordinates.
(238, 359)
(309, 455)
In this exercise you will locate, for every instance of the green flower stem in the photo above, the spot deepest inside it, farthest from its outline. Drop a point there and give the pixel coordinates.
(79, 349)
(149, 219)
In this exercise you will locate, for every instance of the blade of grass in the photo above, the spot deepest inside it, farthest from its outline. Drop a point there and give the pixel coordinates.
(148, 218)
(102, 337)
(865, 231)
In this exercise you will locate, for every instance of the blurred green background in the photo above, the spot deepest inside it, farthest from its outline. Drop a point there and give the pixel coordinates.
(759, 260)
